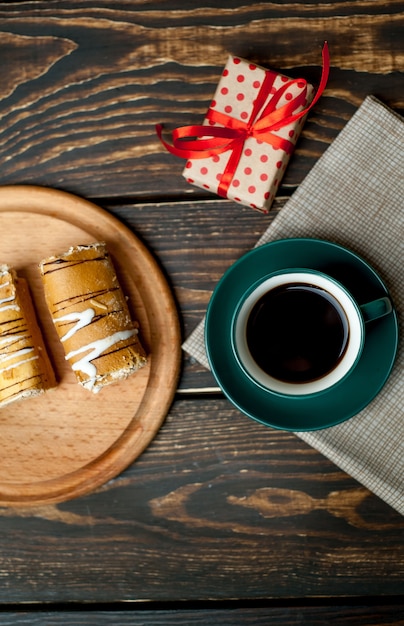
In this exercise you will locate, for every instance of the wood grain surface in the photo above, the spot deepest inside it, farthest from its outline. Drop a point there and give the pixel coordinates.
(344, 615)
(84, 85)
(218, 511)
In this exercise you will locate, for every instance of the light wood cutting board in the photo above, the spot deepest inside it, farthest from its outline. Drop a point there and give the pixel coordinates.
(69, 441)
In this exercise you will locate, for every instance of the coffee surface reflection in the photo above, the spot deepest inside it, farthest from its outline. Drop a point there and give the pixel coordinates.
(297, 332)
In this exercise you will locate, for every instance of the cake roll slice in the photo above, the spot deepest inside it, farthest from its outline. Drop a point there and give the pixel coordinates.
(91, 316)
(25, 369)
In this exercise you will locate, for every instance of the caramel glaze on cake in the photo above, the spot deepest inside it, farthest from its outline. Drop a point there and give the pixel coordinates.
(91, 316)
(25, 369)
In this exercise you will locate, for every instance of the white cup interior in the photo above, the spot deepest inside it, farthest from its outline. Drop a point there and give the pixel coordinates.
(348, 360)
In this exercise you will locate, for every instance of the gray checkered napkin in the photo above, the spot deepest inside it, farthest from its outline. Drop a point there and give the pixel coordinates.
(354, 196)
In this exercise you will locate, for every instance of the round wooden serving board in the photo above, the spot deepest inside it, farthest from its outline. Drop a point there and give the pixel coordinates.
(69, 441)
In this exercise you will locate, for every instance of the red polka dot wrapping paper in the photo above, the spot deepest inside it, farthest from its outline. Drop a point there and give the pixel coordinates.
(261, 166)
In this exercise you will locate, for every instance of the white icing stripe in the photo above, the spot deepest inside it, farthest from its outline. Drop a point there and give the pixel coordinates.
(15, 355)
(83, 318)
(96, 348)
(14, 306)
(10, 299)
(7, 304)
(4, 341)
(12, 338)
(15, 365)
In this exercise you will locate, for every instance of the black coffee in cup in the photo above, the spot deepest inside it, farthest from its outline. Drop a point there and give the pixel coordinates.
(297, 332)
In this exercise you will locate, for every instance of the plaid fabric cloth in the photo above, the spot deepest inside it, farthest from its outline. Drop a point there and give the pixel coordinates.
(354, 196)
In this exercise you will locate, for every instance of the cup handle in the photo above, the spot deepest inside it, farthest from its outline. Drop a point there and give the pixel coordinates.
(375, 309)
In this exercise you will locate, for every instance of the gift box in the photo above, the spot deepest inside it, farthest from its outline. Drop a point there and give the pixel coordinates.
(249, 133)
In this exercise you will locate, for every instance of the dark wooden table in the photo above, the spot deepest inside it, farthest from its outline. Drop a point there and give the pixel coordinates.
(168, 541)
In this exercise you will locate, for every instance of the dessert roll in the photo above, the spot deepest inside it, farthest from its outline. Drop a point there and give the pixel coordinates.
(25, 369)
(91, 316)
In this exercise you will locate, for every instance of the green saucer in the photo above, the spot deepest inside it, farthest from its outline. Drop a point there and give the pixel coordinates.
(332, 406)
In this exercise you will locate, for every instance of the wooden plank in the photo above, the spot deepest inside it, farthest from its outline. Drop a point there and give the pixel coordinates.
(217, 507)
(84, 87)
(304, 616)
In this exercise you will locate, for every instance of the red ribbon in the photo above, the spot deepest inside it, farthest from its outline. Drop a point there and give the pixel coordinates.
(202, 141)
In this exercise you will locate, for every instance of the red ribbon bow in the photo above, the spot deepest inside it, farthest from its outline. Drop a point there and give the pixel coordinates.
(202, 141)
